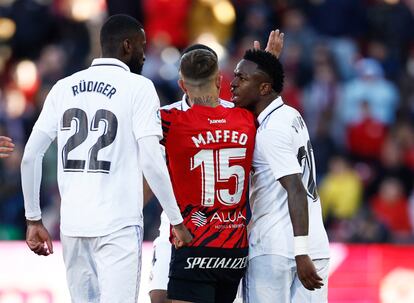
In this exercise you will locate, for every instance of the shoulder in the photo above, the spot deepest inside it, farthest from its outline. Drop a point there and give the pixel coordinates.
(281, 118)
(169, 115)
(140, 82)
(175, 105)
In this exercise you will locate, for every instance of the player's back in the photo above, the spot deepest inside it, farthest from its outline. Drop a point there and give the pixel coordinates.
(99, 113)
(209, 153)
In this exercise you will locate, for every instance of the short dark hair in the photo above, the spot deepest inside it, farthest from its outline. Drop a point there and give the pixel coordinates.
(198, 46)
(268, 64)
(116, 29)
(198, 65)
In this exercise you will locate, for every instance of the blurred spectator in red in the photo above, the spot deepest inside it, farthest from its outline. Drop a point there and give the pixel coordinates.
(167, 19)
(390, 206)
(366, 136)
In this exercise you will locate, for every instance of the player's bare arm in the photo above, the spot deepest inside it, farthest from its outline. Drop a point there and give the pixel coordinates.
(148, 194)
(298, 210)
(6, 146)
(274, 43)
(38, 238)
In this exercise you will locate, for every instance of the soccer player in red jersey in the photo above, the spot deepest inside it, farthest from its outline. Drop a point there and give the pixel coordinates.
(209, 151)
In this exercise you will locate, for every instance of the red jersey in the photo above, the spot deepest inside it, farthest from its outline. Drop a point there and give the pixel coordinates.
(209, 154)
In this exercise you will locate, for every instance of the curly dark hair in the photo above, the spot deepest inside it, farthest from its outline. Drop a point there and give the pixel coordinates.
(268, 64)
(116, 29)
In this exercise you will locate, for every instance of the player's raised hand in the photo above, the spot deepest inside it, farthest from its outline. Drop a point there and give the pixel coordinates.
(182, 236)
(274, 43)
(38, 238)
(6, 146)
(307, 273)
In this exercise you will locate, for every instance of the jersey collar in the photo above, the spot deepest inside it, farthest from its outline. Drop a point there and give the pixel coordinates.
(110, 62)
(184, 104)
(274, 105)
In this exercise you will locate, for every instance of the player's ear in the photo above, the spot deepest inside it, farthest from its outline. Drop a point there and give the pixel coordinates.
(265, 88)
(127, 46)
(219, 79)
(181, 84)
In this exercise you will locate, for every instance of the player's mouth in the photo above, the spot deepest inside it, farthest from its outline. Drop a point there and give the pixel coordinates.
(234, 97)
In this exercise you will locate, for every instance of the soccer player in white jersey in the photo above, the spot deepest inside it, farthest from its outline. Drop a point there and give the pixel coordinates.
(6, 146)
(107, 130)
(288, 245)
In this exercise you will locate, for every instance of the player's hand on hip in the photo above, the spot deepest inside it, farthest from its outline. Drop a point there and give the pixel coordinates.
(38, 238)
(181, 235)
(307, 273)
(6, 146)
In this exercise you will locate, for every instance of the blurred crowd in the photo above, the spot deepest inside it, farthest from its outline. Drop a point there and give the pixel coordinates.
(349, 69)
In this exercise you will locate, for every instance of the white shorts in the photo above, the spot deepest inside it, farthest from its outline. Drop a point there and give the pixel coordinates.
(272, 276)
(160, 265)
(104, 269)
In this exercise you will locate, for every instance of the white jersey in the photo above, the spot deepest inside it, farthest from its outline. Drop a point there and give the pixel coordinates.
(180, 105)
(282, 148)
(97, 115)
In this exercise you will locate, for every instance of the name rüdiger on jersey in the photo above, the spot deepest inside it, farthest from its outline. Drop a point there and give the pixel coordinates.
(94, 86)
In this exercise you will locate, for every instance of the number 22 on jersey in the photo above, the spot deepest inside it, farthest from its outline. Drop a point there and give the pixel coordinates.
(216, 168)
(81, 133)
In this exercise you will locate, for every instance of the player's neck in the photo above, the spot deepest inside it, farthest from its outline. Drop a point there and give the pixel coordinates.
(263, 103)
(210, 100)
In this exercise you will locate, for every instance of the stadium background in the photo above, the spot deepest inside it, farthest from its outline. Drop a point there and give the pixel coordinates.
(349, 70)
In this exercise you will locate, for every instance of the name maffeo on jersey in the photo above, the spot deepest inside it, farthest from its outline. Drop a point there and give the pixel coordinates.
(94, 86)
(219, 136)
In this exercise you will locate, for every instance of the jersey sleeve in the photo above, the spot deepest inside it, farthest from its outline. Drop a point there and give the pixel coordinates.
(277, 148)
(145, 118)
(48, 121)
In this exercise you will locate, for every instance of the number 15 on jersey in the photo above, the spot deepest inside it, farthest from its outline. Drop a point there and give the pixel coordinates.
(215, 169)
